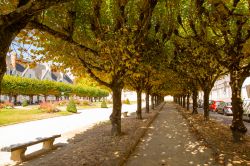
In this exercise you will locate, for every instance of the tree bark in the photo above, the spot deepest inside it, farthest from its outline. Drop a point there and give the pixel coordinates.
(2, 67)
(115, 117)
(38, 99)
(31, 99)
(237, 125)
(188, 102)
(15, 99)
(10, 98)
(152, 102)
(147, 102)
(206, 104)
(155, 100)
(184, 101)
(181, 100)
(195, 104)
(138, 111)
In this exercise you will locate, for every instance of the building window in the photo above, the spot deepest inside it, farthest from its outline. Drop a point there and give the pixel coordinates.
(30, 75)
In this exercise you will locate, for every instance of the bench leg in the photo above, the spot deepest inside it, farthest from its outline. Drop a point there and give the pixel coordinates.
(18, 155)
(48, 145)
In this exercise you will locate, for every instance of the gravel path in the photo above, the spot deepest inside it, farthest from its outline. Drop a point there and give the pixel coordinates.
(169, 142)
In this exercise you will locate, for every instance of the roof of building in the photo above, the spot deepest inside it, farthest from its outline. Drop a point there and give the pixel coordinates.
(68, 79)
(20, 67)
(38, 70)
(53, 76)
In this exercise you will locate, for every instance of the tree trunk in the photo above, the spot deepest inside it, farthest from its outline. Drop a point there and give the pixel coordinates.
(188, 102)
(31, 99)
(10, 98)
(237, 127)
(2, 67)
(115, 117)
(155, 100)
(45, 98)
(147, 102)
(206, 104)
(138, 111)
(15, 99)
(181, 101)
(195, 104)
(184, 101)
(152, 102)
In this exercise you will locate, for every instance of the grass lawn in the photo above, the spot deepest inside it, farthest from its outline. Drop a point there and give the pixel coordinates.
(12, 116)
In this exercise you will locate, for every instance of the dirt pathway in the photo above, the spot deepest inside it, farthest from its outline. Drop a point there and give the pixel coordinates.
(169, 142)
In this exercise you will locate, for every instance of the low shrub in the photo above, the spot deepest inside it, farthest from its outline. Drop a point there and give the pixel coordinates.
(7, 105)
(85, 103)
(104, 104)
(71, 107)
(48, 107)
(1, 105)
(77, 102)
(109, 102)
(62, 102)
(25, 103)
(126, 101)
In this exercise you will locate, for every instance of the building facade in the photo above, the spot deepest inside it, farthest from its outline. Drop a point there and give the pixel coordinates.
(40, 72)
(222, 90)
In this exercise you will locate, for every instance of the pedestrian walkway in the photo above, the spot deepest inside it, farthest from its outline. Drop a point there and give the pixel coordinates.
(68, 126)
(169, 142)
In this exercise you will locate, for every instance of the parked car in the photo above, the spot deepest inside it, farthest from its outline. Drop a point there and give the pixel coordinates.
(213, 105)
(225, 108)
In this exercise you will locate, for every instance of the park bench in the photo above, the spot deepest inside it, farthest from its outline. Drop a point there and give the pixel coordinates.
(125, 114)
(18, 150)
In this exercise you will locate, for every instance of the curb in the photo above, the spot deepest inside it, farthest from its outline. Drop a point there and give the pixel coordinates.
(142, 130)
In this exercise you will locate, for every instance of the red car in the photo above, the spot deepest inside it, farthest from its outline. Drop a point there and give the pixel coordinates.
(213, 105)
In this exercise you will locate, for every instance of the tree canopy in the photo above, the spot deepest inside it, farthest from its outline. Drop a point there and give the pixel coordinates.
(163, 47)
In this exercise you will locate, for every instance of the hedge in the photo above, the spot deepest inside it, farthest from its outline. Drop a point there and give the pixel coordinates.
(13, 85)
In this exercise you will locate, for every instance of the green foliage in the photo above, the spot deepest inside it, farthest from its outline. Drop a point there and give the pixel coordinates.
(25, 103)
(12, 85)
(104, 104)
(127, 101)
(71, 107)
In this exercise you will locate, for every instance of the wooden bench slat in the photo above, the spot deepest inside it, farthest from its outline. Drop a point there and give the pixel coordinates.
(23, 145)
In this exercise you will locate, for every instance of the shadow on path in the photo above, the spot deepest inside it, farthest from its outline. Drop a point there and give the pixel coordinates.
(169, 142)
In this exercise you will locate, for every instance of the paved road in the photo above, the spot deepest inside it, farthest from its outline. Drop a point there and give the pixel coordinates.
(224, 119)
(66, 125)
(169, 142)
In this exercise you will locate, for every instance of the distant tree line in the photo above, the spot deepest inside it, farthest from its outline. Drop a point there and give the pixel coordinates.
(14, 86)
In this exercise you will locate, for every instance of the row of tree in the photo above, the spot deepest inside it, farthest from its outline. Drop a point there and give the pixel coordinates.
(14, 86)
(211, 39)
(174, 47)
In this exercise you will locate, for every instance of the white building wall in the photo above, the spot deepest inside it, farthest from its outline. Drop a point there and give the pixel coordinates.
(222, 90)
(29, 73)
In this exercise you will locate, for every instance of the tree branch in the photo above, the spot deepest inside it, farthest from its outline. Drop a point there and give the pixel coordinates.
(90, 72)
(27, 10)
(36, 25)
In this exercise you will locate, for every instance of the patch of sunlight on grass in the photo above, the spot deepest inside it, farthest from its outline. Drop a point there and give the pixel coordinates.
(13, 116)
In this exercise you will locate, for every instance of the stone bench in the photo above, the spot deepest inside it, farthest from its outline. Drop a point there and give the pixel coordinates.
(125, 114)
(18, 150)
